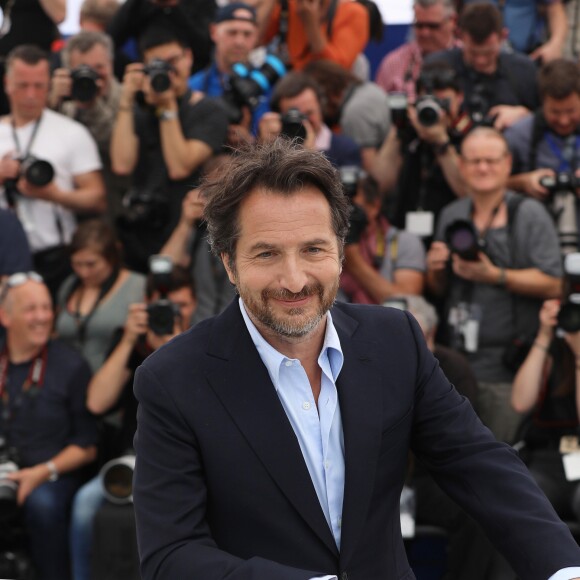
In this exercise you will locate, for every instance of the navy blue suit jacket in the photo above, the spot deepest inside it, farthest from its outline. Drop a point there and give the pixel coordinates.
(222, 491)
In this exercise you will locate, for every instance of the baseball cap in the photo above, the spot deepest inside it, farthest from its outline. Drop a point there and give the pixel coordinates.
(230, 12)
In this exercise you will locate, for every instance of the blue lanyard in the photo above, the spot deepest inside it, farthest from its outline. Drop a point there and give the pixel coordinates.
(565, 164)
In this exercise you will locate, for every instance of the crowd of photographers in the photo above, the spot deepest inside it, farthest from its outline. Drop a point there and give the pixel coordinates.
(461, 160)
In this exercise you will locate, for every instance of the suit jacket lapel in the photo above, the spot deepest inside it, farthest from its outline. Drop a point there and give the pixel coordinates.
(359, 394)
(242, 383)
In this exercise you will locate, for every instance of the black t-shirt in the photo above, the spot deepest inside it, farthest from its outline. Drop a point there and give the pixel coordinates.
(203, 121)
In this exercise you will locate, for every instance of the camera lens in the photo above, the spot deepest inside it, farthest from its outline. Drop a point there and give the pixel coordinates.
(569, 317)
(461, 238)
(37, 171)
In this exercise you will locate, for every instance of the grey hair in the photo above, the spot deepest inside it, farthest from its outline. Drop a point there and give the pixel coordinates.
(85, 41)
(448, 5)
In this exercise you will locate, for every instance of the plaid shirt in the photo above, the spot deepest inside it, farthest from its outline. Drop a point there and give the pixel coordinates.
(399, 70)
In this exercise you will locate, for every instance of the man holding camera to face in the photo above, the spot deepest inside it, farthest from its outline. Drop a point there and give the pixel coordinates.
(85, 89)
(161, 144)
(168, 311)
(495, 259)
(49, 167)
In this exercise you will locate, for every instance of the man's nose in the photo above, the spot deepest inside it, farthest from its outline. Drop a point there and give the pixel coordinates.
(293, 276)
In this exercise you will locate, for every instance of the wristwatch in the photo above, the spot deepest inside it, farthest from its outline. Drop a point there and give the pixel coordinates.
(52, 470)
(166, 115)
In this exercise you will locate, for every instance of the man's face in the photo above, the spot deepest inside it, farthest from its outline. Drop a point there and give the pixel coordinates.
(180, 60)
(186, 302)
(27, 87)
(483, 57)
(99, 60)
(453, 98)
(562, 115)
(485, 164)
(287, 261)
(433, 28)
(307, 103)
(27, 314)
(234, 39)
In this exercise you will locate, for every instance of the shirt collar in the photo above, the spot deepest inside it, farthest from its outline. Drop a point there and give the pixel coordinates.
(330, 359)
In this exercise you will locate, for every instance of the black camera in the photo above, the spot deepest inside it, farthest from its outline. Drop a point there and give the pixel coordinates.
(430, 109)
(293, 125)
(398, 103)
(36, 171)
(462, 239)
(561, 182)
(8, 488)
(162, 313)
(144, 209)
(478, 105)
(84, 86)
(569, 314)
(349, 177)
(158, 72)
(246, 86)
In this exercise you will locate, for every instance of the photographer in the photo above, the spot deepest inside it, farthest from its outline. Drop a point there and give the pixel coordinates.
(379, 260)
(111, 388)
(499, 87)
(546, 390)
(162, 145)
(86, 90)
(234, 32)
(423, 164)
(296, 106)
(493, 271)
(49, 166)
(44, 417)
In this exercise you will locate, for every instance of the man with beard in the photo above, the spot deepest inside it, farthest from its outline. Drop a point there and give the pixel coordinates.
(272, 440)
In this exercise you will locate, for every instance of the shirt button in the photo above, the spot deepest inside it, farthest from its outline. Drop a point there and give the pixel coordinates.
(288, 363)
(306, 405)
(326, 464)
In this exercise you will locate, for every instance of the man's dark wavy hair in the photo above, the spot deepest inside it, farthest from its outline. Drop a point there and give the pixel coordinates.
(283, 167)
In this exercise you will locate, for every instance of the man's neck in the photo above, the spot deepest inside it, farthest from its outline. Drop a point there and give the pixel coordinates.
(222, 66)
(21, 120)
(486, 201)
(20, 351)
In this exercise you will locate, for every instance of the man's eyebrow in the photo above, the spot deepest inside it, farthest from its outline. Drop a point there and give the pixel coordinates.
(262, 246)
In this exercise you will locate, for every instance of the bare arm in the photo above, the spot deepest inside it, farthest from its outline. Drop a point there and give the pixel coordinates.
(405, 281)
(449, 163)
(387, 161)
(55, 9)
(558, 31)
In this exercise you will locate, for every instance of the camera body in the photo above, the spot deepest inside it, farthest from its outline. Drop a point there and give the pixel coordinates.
(8, 488)
(430, 109)
(247, 85)
(562, 182)
(37, 172)
(569, 314)
(462, 239)
(478, 106)
(147, 209)
(84, 87)
(162, 313)
(398, 104)
(158, 72)
(293, 125)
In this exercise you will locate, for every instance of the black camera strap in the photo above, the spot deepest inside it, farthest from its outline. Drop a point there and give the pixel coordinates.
(30, 387)
(83, 321)
(25, 154)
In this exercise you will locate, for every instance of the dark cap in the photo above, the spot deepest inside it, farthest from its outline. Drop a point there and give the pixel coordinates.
(230, 12)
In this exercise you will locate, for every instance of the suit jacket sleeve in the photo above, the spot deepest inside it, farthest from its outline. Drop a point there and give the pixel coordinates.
(170, 499)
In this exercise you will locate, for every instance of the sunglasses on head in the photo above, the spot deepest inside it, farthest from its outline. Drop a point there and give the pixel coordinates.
(18, 279)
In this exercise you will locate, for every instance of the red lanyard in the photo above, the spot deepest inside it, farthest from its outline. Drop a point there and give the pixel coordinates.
(34, 380)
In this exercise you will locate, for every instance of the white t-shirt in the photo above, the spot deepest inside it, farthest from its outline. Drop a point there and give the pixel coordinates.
(72, 151)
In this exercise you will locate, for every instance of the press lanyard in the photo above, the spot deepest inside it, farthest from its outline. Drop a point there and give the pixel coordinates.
(565, 159)
(32, 384)
(30, 141)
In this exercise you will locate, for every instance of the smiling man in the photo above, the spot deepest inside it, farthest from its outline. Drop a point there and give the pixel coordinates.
(272, 440)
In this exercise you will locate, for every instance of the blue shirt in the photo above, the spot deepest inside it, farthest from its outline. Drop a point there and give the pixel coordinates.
(213, 83)
(319, 433)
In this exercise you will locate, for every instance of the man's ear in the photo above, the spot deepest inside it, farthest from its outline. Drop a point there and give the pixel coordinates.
(226, 262)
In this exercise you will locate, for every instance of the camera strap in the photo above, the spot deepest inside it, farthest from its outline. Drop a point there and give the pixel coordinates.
(32, 384)
(21, 154)
(566, 154)
(83, 321)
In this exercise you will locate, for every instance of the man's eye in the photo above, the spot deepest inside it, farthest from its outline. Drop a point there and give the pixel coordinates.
(265, 255)
(314, 250)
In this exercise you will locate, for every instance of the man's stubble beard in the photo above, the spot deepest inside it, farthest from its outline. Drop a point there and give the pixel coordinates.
(287, 327)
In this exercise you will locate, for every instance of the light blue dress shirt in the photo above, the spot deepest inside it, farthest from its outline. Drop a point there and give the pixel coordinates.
(320, 434)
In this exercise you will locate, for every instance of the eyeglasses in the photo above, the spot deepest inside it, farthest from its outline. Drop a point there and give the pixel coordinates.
(18, 279)
(428, 25)
(491, 161)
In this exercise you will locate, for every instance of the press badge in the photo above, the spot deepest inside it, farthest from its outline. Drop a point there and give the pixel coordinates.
(571, 463)
(465, 319)
(420, 223)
